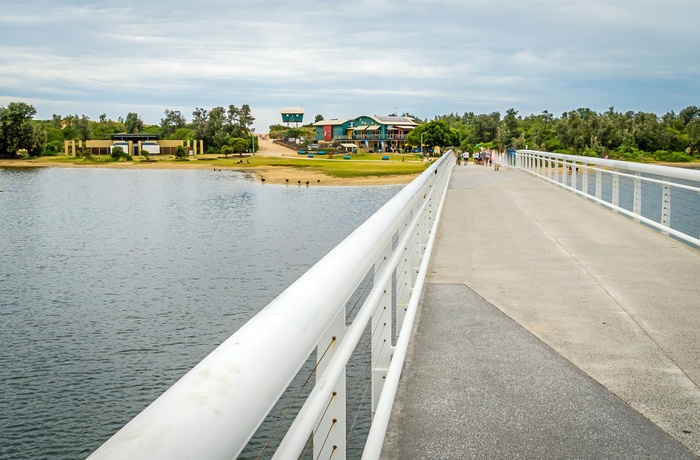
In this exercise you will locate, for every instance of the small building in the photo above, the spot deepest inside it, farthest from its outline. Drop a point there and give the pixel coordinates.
(292, 115)
(133, 144)
(372, 133)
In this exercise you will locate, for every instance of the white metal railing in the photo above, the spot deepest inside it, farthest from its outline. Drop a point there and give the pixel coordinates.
(213, 411)
(646, 193)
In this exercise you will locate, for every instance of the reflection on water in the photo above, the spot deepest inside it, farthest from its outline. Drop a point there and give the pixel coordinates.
(114, 283)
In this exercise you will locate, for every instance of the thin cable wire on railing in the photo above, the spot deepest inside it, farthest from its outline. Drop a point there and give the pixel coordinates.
(364, 396)
(325, 440)
(368, 370)
(309, 442)
(296, 397)
(362, 296)
(357, 413)
(353, 385)
(358, 375)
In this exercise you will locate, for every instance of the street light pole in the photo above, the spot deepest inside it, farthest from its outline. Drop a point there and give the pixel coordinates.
(252, 138)
(421, 145)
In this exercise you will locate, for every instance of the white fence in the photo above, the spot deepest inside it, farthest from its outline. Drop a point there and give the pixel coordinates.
(216, 408)
(666, 198)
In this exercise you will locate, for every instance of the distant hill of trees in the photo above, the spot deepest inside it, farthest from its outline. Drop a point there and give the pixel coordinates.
(19, 132)
(635, 136)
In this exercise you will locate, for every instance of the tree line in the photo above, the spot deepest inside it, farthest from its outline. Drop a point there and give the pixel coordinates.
(634, 136)
(225, 130)
(631, 135)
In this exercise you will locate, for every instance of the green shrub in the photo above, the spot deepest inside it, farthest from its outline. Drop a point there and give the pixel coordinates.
(679, 157)
(180, 152)
(118, 153)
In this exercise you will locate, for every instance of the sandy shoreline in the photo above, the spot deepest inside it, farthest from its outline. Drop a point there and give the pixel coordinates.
(283, 175)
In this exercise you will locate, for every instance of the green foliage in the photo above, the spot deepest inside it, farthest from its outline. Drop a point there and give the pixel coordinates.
(238, 144)
(218, 125)
(678, 157)
(17, 132)
(436, 133)
(54, 134)
(171, 123)
(629, 135)
(180, 152)
(118, 153)
(54, 148)
(226, 150)
(133, 123)
(294, 133)
(105, 128)
(182, 134)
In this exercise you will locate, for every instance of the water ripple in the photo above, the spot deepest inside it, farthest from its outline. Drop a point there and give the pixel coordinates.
(115, 283)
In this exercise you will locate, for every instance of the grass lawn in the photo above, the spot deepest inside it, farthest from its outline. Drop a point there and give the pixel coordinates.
(359, 165)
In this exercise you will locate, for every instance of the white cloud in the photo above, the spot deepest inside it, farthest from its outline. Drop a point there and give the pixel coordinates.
(345, 59)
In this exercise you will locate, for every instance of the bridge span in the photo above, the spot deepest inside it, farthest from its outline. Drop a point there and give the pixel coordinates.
(510, 316)
(549, 327)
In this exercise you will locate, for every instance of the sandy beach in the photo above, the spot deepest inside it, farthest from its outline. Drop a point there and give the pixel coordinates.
(282, 175)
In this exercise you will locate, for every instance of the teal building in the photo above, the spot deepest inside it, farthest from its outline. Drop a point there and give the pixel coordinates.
(369, 132)
(292, 115)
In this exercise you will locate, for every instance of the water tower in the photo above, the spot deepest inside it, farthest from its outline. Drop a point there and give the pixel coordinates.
(292, 115)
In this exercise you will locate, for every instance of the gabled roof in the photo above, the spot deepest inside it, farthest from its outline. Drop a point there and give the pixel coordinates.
(406, 121)
(332, 122)
(403, 122)
(292, 110)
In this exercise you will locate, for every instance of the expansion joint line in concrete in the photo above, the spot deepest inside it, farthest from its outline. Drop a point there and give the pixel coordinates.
(607, 292)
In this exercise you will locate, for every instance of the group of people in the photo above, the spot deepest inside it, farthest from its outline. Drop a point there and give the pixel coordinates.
(484, 157)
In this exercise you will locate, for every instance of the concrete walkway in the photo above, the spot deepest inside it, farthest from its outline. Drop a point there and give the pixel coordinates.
(550, 327)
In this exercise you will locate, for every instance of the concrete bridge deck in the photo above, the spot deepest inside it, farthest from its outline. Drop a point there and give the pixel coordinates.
(550, 327)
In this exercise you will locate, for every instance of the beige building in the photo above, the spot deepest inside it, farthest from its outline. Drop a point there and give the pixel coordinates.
(134, 144)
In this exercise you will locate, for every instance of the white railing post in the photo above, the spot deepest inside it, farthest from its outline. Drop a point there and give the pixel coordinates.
(563, 179)
(381, 326)
(404, 277)
(673, 179)
(615, 188)
(637, 200)
(666, 205)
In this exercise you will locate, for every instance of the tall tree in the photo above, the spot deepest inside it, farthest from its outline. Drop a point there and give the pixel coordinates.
(216, 133)
(83, 127)
(200, 118)
(171, 122)
(245, 117)
(16, 129)
(434, 133)
(133, 123)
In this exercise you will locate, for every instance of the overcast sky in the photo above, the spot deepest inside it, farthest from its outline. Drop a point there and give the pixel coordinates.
(345, 59)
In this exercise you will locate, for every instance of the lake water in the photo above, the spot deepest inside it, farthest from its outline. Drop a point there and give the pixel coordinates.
(114, 283)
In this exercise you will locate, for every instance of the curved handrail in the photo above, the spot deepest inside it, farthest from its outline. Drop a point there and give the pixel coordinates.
(540, 163)
(214, 410)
